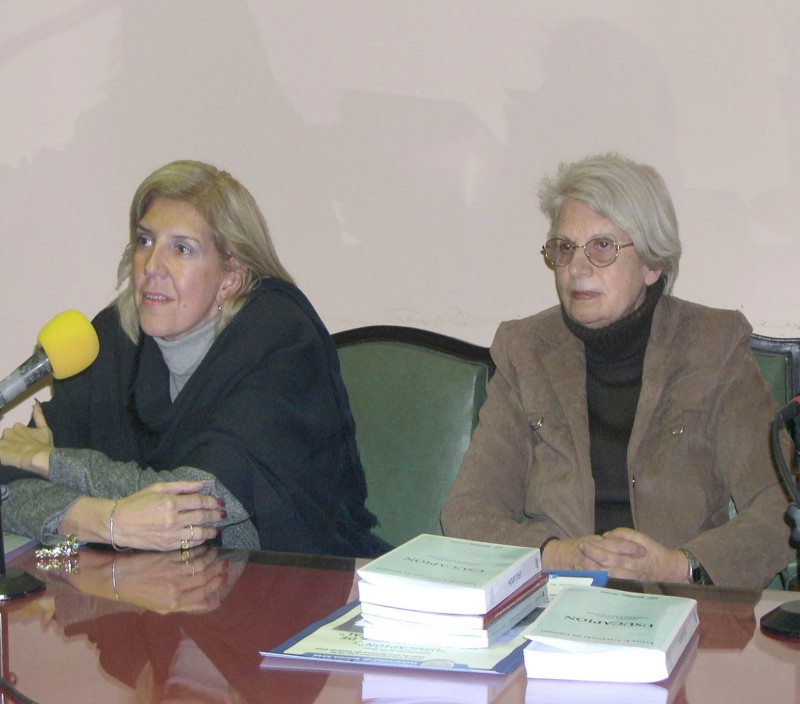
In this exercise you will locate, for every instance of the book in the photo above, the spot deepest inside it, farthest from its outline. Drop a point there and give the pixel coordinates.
(607, 635)
(386, 623)
(526, 598)
(559, 579)
(414, 634)
(337, 641)
(541, 691)
(447, 575)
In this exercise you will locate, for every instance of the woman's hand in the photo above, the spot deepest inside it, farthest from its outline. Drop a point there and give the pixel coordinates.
(618, 557)
(28, 448)
(163, 516)
(623, 552)
(188, 581)
(166, 516)
(658, 563)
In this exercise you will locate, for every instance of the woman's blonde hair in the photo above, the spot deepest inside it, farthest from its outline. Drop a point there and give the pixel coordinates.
(237, 227)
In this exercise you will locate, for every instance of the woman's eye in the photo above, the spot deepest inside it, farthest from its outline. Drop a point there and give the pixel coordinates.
(142, 240)
(182, 249)
(603, 244)
(566, 246)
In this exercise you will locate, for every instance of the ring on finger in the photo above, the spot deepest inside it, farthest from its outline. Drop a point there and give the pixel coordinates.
(184, 544)
(191, 532)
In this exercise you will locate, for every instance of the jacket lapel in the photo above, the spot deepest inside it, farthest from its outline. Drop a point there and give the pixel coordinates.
(565, 366)
(654, 374)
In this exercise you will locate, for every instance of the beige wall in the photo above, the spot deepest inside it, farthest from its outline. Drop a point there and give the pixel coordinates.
(395, 147)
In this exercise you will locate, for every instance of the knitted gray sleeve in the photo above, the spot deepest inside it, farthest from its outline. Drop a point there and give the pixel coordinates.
(37, 507)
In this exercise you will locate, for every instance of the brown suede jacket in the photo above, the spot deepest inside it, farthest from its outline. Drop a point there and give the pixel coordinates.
(701, 438)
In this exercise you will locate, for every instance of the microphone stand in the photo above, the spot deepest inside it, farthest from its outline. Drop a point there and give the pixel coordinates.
(14, 582)
(784, 621)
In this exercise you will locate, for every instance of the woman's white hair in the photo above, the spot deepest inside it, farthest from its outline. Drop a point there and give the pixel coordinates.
(632, 195)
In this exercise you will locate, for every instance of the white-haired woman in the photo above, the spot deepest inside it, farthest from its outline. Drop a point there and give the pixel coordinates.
(619, 425)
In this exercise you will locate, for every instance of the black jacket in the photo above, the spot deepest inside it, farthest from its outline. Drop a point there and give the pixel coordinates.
(266, 412)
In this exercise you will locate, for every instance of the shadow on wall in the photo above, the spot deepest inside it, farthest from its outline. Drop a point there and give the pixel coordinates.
(405, 210)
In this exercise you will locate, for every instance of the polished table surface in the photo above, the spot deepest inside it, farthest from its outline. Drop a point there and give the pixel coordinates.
(157, 627)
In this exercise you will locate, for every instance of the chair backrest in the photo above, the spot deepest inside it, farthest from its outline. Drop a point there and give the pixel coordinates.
(415, 397)
(779, 361)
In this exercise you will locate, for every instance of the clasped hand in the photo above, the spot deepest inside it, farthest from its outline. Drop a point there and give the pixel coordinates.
(623, 552)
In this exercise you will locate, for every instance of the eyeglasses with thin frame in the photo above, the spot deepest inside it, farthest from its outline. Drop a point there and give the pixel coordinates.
(601, 250)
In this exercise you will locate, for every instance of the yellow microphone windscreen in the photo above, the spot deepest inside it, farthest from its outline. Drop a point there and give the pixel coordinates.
(70, 342)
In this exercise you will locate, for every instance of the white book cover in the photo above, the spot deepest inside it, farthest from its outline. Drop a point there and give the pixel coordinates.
(607, 635)
(394, 631)
(546, 691)
(447, 575)
(529, 596)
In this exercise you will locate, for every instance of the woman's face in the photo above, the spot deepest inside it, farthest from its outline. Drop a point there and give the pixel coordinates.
(598, 296)
(178, 276)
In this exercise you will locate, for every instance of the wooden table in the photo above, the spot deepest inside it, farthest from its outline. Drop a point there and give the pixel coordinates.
(154, 627)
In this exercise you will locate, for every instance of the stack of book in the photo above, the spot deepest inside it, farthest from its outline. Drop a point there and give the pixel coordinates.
(447, 592)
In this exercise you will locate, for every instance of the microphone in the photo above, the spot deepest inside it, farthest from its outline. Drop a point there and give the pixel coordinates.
(67, 345)
(784, 620)
(790, 410)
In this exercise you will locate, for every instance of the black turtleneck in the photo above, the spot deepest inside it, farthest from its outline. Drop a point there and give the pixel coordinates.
(614, 363)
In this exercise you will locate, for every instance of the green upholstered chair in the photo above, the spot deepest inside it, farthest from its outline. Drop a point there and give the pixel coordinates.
(415, 397)
(779, 361)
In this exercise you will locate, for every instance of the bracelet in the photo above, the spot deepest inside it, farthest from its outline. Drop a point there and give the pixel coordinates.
(114, 577)
(111, 527)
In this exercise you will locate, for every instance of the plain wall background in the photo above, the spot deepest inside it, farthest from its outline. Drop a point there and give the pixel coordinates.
(396, 147)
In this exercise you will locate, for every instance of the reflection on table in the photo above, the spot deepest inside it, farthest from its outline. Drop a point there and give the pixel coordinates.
(166, 627)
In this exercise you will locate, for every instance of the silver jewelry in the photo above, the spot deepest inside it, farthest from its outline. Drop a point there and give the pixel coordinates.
(111, 527)
(68, 547)
(114, 577)
(62, 556)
